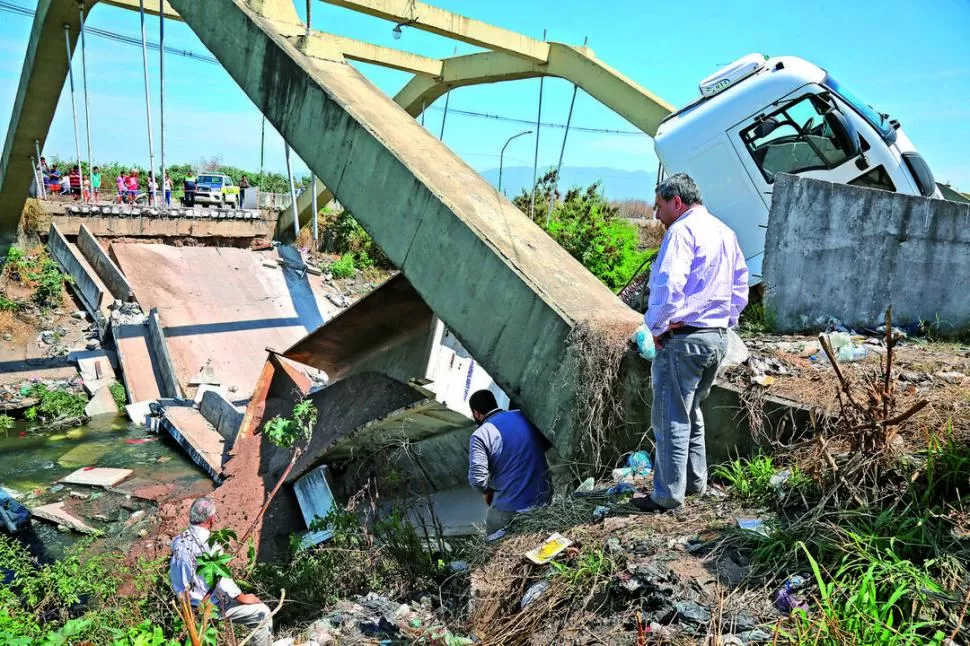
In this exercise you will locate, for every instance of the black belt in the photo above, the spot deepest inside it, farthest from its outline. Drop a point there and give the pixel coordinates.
(690, 329)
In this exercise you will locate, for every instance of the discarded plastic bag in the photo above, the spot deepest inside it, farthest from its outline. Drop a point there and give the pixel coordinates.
(533, 592)
(643, 339)
(640, 463)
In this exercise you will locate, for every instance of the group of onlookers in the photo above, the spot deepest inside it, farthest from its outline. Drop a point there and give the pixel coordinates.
(88, 189)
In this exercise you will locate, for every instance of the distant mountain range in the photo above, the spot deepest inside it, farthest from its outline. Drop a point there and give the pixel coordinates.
(617, 184)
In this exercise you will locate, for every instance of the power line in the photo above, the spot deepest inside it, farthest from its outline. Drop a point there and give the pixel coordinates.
(10, 7)
(528, 122)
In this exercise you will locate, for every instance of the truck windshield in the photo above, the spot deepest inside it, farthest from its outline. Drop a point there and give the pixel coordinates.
(866, 111)
(209, 179)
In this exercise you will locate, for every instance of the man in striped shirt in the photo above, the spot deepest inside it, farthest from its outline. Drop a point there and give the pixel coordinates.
(698, 287)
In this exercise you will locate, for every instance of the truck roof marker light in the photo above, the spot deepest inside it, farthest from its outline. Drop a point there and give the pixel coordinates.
(731, 74)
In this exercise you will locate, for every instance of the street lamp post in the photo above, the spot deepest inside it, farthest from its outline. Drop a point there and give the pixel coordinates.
(501, 157)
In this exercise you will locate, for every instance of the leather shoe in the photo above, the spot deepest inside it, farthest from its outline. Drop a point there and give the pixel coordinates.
(647, 504)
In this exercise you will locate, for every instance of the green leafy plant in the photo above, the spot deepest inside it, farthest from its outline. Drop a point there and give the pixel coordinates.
(55, 405)
(6, 422)
(591, 570)
(8, 304)
(292, 433)
(344, 267)
(120, 395)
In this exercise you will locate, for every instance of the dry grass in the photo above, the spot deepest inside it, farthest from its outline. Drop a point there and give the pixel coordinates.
(595, 350)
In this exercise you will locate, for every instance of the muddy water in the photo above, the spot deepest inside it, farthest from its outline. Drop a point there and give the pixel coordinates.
(31, 462)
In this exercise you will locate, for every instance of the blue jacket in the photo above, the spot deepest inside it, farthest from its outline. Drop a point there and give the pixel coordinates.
(507, 454)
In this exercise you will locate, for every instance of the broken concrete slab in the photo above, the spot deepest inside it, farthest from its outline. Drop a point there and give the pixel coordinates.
(102, 403)
(96, 476)
(197, 436)
(56, 513)
(96, 371)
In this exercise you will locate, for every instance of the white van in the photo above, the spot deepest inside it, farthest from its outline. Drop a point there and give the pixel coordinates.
(761, 116)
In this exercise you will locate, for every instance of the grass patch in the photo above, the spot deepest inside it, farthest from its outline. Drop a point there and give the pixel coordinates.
(759, 479)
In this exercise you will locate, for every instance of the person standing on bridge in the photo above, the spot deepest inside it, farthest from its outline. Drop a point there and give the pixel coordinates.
(236, 606)
(698, 287)
(506, 462)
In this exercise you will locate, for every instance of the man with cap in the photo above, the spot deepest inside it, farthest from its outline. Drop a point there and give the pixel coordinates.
(234, 605)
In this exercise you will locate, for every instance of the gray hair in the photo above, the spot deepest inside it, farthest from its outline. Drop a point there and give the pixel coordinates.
(202, 510)
(680, 184)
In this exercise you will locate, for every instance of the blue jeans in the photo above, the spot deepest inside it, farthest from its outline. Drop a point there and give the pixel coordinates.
(682, 375)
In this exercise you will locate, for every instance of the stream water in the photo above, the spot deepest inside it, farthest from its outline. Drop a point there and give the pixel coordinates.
(31, 462)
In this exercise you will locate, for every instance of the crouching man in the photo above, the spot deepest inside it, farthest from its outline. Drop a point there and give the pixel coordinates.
(506, 462)
(229, 600)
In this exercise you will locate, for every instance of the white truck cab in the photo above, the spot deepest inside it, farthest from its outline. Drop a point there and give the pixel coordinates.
(761, 116)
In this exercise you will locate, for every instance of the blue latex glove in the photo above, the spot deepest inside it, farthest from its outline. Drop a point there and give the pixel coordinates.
(643, 339)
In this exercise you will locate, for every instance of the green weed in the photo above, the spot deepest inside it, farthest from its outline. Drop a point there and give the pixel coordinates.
(591, 570)
(55, 405)
(9, 304)
(6, 422)
(866, 608)
(749, 479)
(120, 395)
(344, 268)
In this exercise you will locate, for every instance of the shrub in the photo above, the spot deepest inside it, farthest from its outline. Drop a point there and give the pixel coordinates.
(55, 405)
(586, 225)
(343, 268)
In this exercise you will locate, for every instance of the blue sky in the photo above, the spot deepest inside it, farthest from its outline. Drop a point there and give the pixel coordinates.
(905, 58)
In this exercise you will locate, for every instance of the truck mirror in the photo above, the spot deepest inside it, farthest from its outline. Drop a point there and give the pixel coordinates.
(845, 132)
(765, 127)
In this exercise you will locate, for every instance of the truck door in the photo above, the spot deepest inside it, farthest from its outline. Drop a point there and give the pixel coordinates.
(796, 138)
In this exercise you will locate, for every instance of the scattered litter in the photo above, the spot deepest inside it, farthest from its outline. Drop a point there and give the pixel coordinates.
(763, 380)
(785, 599)
(80, 496)
(600, 513)
(533, 592)
(639, 462)
(623, 474)
(692, 612)
(621, 488)
(778, 480)
(552, 546)
(142, 440)
(586, 486)
(753, 525)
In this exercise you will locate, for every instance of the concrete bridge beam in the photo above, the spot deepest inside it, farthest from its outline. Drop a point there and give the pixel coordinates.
(508, 291)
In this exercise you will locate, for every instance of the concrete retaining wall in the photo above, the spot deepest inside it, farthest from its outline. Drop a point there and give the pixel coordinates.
(848, 252)
(220, 412)
(169, 385)
(107, 270)
(85, 283)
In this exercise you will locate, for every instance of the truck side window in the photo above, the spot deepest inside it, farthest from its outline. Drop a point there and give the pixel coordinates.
(875, 178)
(793, 140)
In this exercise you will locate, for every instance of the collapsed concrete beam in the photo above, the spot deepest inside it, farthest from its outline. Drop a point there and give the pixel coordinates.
(41, 82)
(508, 291)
